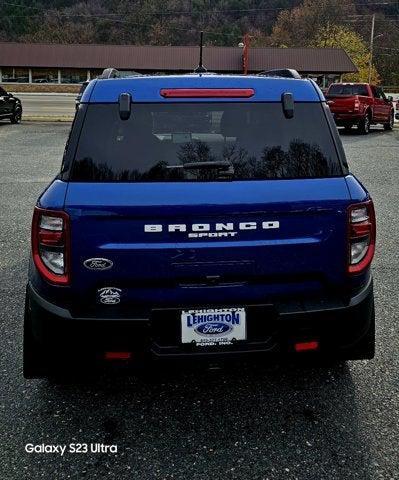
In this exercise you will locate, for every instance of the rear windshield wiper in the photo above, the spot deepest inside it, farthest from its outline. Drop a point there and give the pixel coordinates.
(221, 165)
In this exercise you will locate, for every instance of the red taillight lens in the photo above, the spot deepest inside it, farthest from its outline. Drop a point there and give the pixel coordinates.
(357, 106)
(362, 232)
(117, 355)
(207, 92)
(51, 245)
(306, 346)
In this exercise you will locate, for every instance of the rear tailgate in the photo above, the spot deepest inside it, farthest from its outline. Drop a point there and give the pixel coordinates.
(235, 242)
(342, 103)
(144, 195)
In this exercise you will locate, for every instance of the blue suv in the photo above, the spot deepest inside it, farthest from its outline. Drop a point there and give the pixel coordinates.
(200, 217)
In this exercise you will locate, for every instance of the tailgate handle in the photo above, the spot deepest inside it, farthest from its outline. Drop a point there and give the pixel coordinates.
(125, 100)
(287, 99)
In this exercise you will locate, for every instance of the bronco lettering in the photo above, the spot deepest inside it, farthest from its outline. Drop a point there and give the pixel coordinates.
(218, 230)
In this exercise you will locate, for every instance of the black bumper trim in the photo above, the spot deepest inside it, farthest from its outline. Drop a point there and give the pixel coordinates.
(337, 328)
(282, 309)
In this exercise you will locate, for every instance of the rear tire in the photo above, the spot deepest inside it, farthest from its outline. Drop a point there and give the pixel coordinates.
(389, 126)
(33, 358)
(364, 125)
(364, 349)
(16, 116)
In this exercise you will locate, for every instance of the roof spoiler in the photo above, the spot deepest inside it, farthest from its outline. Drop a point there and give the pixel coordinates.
(281, 72)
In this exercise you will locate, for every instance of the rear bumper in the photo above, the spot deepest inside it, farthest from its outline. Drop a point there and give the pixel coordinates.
(335, 325)
(347, 118)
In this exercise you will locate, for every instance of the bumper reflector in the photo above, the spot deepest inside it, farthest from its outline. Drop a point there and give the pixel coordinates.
(117, 355)
(306, 346)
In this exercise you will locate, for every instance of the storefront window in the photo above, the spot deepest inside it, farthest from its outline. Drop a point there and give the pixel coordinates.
(95, 72)
(44, 75)
(19, 75)
(73, 75)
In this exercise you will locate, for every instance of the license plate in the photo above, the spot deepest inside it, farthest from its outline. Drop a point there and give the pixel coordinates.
(208, 327)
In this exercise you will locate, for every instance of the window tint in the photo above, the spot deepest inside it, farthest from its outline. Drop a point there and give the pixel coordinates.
(205, 142)
(345, 89)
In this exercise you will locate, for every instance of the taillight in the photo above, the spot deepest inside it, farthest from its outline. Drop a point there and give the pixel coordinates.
(357, 106)
(51, 245)
(361, 219)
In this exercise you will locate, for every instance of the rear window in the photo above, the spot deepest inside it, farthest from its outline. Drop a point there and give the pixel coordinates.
(204, 142)
(348, 90)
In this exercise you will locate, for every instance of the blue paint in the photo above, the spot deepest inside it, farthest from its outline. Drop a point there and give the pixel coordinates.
(147, 89)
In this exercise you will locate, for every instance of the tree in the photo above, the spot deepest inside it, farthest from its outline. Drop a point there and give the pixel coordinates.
(337, 36)
(296, 27)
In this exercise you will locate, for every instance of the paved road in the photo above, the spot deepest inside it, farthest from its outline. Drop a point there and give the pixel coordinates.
(47, 105)
(281, 422)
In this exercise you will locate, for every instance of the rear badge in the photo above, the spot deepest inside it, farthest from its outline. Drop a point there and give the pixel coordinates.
(109, 295)
(98, 264)
(208, 230)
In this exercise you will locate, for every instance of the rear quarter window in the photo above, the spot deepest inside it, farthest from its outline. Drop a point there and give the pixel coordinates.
(166, 142)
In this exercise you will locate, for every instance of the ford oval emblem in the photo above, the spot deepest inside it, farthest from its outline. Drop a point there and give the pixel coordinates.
(98, 264)
(214, 329)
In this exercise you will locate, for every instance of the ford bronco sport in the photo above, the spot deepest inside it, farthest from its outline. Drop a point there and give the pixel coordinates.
(200, 217)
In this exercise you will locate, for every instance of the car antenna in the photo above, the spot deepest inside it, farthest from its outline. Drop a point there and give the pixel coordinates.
(201, 68)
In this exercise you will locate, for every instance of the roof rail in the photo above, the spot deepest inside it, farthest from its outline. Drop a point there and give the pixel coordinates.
(280, 72)
(114, 73)
(109, 73)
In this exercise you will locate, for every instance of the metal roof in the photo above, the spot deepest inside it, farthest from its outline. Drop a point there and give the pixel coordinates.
(173, 59)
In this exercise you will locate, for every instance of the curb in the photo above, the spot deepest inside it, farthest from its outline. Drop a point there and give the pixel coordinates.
(45, 94)
(31, 118)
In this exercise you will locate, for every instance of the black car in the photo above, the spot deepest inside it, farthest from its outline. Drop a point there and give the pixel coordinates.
(10, 107)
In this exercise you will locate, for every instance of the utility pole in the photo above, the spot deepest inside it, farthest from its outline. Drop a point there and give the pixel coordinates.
(371, 46)
(245, 54)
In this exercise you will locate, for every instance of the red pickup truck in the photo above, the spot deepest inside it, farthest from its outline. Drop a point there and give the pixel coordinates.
(360, 104)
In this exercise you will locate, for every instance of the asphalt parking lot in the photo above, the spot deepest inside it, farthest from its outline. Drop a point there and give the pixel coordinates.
(277, 422)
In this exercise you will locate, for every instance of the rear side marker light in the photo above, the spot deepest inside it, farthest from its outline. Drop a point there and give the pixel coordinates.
(306, 346)
(51, 245)
(117, 355)
(361, 236)
(207, 92)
